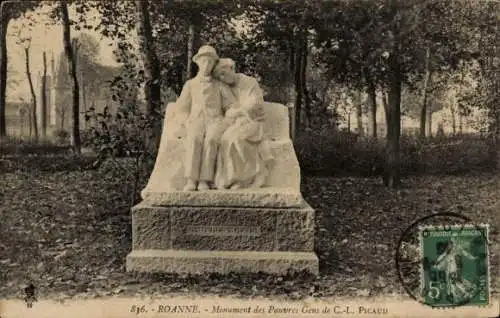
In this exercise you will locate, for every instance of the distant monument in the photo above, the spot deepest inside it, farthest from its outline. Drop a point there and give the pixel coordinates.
(224, 194)
(94, 91)
(47, 116)
(57, 92)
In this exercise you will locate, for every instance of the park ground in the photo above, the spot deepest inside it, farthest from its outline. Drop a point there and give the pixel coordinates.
(67, 230)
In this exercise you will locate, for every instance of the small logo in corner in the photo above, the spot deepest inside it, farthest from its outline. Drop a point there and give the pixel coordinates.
(29, 295)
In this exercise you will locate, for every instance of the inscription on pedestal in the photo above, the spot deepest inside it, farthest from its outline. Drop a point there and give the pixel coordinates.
(204, 230)
(223, 229)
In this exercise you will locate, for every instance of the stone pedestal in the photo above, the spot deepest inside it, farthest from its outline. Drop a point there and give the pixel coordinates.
(247, 230)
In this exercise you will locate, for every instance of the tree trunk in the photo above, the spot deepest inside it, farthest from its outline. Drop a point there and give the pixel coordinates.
(385, 100)
(459, 107)
(151, 64)
(385, 103)
(32, 91)
(22, 126)
(453, 120)
(298, 90)
(3, 72)
(70, 55)
(430, 111)
(306, 115)
(359, 113)
(291, 118)
(496, 105)
(84, 97)
(393, 118)
(427, 77)
(63, 116)
(497, 131)
(401, 127)
(152, 73)
(194, 43)
(44, 97)
(460, 123)
(293, 113)
(372, 99)
(349, 122)
(30, 122)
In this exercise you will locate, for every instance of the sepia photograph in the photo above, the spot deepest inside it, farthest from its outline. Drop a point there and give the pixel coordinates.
(209, 158)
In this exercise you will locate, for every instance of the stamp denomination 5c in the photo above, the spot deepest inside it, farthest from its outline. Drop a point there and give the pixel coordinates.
(455, 265)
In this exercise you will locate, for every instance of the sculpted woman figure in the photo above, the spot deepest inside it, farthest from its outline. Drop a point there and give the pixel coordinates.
(242, 159)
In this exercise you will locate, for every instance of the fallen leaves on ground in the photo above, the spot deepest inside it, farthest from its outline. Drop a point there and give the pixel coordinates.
(68, 232)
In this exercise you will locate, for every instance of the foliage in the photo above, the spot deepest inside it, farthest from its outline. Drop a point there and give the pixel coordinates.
(17, 8)
(126, 132)
(355, 39)
(61, 136)
(345, 154)
(439, 86)
(170, 24)
(484, 23)
(87, 49)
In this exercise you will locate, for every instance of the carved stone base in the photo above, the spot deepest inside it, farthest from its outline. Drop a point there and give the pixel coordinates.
(196, 239)
(199, 262)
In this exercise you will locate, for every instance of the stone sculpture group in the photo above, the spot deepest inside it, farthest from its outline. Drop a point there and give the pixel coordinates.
(224, 194)
(224, 147)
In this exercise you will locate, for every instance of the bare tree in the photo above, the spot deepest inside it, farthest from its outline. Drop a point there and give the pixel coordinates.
(44, 96)
(425, 113)
(22, 111)
(371, 90)
(359, 112)
(26, 43)
(70, 55)
(430, 111)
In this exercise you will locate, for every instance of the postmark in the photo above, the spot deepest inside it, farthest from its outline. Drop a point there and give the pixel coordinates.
(442, 261)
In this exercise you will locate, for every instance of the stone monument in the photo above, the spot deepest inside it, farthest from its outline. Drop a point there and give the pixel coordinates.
(182, 227)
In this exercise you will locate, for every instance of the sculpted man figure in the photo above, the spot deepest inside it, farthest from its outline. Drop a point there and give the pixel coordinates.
(244, 156)
(205, 102)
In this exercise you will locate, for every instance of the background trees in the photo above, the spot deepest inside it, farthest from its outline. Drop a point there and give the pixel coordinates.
(9, 10)
(330, 59)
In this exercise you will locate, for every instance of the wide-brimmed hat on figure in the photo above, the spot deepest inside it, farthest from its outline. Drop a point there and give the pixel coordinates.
(206, 50)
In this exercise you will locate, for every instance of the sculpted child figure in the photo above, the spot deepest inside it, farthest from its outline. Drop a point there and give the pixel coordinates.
(205, 101)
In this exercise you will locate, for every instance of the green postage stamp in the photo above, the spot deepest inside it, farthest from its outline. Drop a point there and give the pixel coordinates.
(455, 265)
